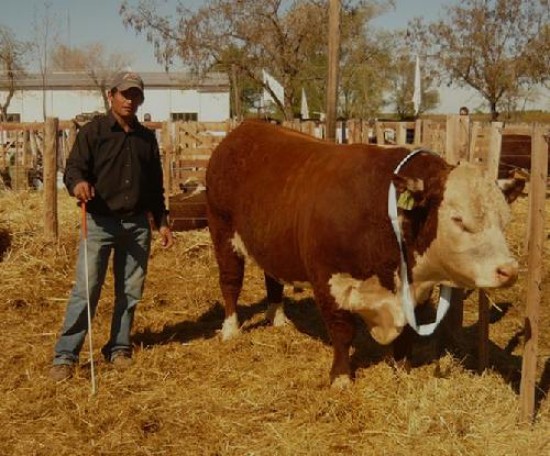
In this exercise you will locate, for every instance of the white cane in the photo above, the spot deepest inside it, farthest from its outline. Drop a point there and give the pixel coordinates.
(85, 238)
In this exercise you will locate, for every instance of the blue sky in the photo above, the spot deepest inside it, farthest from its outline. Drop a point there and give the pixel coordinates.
(82, 22)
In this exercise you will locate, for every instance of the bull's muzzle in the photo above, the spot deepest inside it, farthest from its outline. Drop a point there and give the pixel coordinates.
(507, 273)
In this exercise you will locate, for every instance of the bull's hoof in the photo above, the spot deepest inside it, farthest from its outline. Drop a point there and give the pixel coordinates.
(275, 315)
(403, 365)
(230, 328)
(341, 382)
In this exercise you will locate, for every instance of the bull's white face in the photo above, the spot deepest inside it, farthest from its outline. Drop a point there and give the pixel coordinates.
(470, 249)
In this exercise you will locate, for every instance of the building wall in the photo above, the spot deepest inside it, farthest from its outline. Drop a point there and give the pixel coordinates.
(159, 103)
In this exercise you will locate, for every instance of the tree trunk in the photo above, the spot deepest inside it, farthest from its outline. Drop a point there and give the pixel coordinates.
(494, 112)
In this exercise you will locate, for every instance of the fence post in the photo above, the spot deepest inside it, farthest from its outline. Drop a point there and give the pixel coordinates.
(457, 138)
(334, 11)
(401, 134)
(474, 133)
(456, 149)
(379, 129)
(495, 145)
(537, 194)
(483, 333)
(426, 138)
(417, 132)
(493, 159)
(50, 178)
(354, 131)
(167, 152)
(70, 141)
(27, 153)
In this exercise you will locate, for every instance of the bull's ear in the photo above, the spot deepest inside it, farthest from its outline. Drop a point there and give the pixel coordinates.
(412, 184)
(511, 188)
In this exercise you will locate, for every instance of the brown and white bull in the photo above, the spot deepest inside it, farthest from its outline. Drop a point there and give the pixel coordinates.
(310, 211)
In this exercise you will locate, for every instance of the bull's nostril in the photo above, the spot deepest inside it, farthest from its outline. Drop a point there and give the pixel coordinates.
(507, 273)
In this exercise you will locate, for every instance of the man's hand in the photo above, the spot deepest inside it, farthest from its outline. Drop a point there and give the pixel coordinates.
(84, 191)
(167, 240)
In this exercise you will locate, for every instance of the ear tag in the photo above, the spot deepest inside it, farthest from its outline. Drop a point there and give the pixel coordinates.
(405, 201)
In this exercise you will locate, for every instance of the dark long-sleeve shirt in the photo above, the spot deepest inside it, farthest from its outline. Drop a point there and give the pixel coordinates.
(124, 168)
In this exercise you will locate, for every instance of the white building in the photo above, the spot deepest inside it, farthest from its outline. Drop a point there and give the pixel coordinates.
(168, 96)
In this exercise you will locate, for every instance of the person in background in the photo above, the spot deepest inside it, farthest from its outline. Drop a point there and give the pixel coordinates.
(114, 169)
(464, 111)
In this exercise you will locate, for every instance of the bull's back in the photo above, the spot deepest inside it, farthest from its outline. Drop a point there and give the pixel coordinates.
(282, 191)
(254, 160)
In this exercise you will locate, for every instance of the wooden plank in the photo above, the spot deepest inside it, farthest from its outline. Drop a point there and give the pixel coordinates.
(537, 193)
(417, 132)
(26, 126)
(354, 131)
(457, 139)
(167, 153)
(379, 129)
(184, 176)
(191, 155)
(474, 133)
(26, 153)
(455, 316)
(518, 129)
(401, 133)
(187, 163)
(196, 151)
(426, 134)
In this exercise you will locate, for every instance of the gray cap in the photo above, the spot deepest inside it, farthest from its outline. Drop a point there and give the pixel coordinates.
(126, 80)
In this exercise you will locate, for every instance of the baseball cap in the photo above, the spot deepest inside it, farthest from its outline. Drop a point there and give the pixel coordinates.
(126, 80)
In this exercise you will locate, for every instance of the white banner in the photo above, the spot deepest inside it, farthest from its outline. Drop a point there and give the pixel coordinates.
(417, 95)
(275, 86)
(304, 109)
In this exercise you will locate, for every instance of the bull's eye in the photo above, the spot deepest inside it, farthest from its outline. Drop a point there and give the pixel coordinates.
(459, 221)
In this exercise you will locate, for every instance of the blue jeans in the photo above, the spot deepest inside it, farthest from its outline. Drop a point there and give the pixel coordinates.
(130, 239)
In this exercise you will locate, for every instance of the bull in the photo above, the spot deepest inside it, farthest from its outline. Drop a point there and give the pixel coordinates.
(310, 211)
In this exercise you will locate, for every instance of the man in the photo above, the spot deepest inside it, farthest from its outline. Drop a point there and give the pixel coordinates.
(114, 168)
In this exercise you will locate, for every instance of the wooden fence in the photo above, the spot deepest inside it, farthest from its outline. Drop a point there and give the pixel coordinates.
(186, 146)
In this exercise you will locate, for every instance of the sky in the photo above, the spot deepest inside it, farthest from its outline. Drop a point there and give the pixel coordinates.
(82, 22)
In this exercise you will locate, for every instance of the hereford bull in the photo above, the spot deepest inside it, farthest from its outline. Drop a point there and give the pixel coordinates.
(310, 211)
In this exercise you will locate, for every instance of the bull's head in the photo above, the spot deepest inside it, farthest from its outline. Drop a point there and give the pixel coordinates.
(468, 248)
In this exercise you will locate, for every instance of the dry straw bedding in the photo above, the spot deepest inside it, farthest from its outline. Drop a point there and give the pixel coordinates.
(266, 393)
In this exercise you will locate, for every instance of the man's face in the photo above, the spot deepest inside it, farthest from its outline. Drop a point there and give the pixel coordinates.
(126, 103)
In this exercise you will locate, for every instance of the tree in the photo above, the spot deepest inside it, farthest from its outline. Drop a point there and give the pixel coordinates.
(486, 44)
(288, 39)
(12, 55)
(44, 28)
(365, 64)
(94, 61)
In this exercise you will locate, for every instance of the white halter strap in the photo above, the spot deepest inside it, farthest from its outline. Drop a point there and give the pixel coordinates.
(408, 298)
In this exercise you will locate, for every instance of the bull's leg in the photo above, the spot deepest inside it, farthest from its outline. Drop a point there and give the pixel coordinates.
(341, 329)
(231, 282)
(231, 273)
(275, 313)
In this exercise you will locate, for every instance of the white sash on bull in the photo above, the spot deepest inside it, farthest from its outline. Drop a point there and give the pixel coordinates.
(408, 303)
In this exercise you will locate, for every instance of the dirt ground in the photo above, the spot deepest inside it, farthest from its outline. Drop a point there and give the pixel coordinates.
(265, 393)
